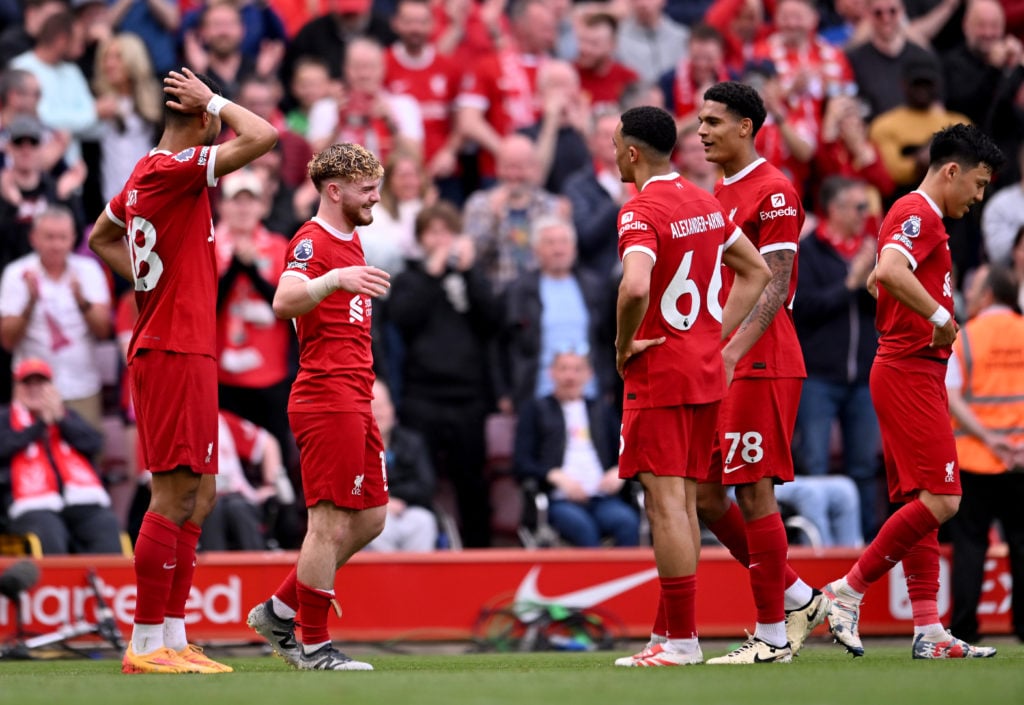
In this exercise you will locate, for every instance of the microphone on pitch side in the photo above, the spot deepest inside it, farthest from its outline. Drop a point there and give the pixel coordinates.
(18, 578)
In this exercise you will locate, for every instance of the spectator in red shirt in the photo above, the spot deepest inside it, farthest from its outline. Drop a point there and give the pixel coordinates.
(253, 346)
(414, 66)
(703, 67)
(602, 78)
(499, 94)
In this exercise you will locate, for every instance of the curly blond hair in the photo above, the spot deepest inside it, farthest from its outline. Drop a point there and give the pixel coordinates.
(345, 161)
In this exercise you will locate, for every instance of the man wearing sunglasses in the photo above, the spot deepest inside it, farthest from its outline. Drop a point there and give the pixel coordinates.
(888, 49)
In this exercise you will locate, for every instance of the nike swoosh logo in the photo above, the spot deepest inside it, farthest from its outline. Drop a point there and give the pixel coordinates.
(528, 596)
(732, 214)
(172, 566)
(734, 468)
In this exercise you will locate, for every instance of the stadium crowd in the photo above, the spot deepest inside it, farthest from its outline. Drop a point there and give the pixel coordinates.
(497, 219)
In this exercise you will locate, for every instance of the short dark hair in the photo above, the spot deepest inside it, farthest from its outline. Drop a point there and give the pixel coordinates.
(652, 126)
(1003, 284)
(443, 211)
(833, 186)
(706, 33)
(966, 145)
(740, 100)
(12, 80)
(56, 26)
(596, 19)
(172, 116)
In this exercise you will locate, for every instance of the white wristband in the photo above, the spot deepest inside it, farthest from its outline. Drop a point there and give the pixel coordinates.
(322, 287)
(216, 104)
(940, 317)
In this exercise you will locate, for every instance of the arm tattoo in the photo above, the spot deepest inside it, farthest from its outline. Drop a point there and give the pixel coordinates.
(774, 296)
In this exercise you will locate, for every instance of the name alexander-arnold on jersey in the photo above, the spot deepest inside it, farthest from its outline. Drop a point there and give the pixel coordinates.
(697, 224)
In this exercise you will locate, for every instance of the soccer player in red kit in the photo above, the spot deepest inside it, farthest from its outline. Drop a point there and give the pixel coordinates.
(172, 359)
(915, 318)
(327, 288)
(673, 239)
(766, 366)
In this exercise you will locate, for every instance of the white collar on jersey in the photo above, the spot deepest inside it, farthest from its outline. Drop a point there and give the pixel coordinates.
(156, 151)
(928, 198)
(422, 61)
(743, 172)
(333, 230)
(661, 177)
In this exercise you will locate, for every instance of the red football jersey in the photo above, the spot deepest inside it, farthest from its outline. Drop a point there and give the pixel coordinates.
(914, 227)
(433, 81)
(335, 361)
(503, 85)
(762, 201)
(245, 435)
(165, 208)
(252, 343)
(685, 231)
(605, 90)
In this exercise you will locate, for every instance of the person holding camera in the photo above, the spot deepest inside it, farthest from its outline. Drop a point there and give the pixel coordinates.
(446, 315)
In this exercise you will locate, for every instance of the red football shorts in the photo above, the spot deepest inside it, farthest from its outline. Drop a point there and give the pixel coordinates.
(342, 459)
(670, 441)
(175, 397)
(917, 439)
(755, 431)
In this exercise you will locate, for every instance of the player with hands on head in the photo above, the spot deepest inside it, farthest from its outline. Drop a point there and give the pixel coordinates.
(327, 288)
(674, 238)
(914, 279)
(168, 256)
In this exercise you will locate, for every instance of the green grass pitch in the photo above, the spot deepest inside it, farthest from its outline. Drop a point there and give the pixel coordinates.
(822, 674)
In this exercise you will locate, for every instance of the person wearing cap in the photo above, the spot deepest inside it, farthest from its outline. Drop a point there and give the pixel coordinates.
(55, 305)
(253, 345)
(19, 95)
(50, 487)
(902, 134)
(27, 186)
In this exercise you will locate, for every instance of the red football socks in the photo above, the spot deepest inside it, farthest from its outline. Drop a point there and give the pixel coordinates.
(766, 538)
(181, 584)
(314, 605)
(921, 566)
(156, 552)
(679, 603)
(911, 523)
(287, 591)
(660, 621)
(731, 532)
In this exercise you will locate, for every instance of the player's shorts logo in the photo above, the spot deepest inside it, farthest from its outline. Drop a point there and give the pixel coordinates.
(778, 200)
(185, 155)
(627, 217)
(304, 250)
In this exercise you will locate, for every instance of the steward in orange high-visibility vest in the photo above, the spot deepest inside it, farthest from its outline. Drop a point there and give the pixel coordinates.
(985, 382)
(990, 355)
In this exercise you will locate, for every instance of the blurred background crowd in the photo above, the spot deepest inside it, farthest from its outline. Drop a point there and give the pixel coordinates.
(497, 223)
